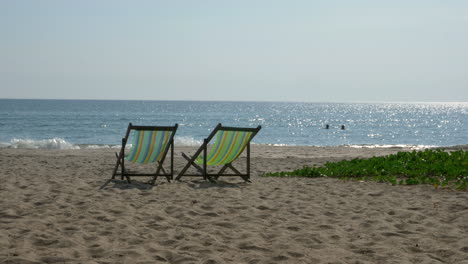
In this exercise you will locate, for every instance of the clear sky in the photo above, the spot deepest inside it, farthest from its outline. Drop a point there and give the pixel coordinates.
(255, 50)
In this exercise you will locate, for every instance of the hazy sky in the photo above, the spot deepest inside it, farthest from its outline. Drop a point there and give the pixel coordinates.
(288, 50)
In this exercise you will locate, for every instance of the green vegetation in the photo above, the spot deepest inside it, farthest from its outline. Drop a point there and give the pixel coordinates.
(436, 167)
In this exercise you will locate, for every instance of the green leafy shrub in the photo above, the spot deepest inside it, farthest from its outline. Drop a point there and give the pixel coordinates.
(436, 167)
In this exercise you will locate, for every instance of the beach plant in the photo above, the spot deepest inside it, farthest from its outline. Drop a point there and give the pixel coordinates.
(432, 166)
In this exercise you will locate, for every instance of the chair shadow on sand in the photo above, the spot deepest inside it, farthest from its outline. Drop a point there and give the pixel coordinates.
(124, 185)
(202, 184)
(144, 186)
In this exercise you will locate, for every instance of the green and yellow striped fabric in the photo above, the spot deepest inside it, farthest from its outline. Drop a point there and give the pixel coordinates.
(227, 147)
(148, 146)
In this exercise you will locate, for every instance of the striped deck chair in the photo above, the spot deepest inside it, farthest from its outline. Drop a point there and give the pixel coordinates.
(150, 144)
(229, 144)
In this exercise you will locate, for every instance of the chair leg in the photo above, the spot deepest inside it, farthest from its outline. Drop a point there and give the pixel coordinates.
(158, 170)
(168, 176)
(233, 169)
(116, 166)
(221, 171)
(203, 172)
(196, 166)
(153, 180)
(181, 173)
(122, 169)
(191, 162)
(245, 178)
(156, 173)
(123, 172)
(197, 153)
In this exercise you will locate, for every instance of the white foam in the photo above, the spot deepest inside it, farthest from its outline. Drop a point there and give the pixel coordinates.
(54, 143)
(95, 146)
(59, 143)
(274, 145)
(187, 141)
(128, 146)
(412, 147)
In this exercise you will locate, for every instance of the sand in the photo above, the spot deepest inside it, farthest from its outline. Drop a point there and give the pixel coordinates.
(52, 210)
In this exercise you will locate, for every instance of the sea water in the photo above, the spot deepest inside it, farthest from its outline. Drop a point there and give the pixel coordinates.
(68, 124)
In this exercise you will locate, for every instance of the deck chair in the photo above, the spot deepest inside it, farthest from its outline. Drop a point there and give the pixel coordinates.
(150, 144)
(230, 142)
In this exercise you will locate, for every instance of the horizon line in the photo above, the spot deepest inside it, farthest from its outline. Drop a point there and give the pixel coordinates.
(220, 100)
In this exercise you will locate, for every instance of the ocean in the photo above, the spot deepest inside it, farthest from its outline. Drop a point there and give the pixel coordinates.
(72, 124)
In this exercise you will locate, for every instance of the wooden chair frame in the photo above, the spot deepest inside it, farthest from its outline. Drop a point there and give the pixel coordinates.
(160, 171)
(204, 148)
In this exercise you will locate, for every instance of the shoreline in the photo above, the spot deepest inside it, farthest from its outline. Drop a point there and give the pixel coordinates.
(53, 211)
(60, 144)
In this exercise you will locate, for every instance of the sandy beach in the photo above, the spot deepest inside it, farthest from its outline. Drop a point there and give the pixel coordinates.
(52, 210)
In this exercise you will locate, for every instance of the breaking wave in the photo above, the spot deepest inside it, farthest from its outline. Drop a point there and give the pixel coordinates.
(54, 143)
(60, 143)
(413, 147)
